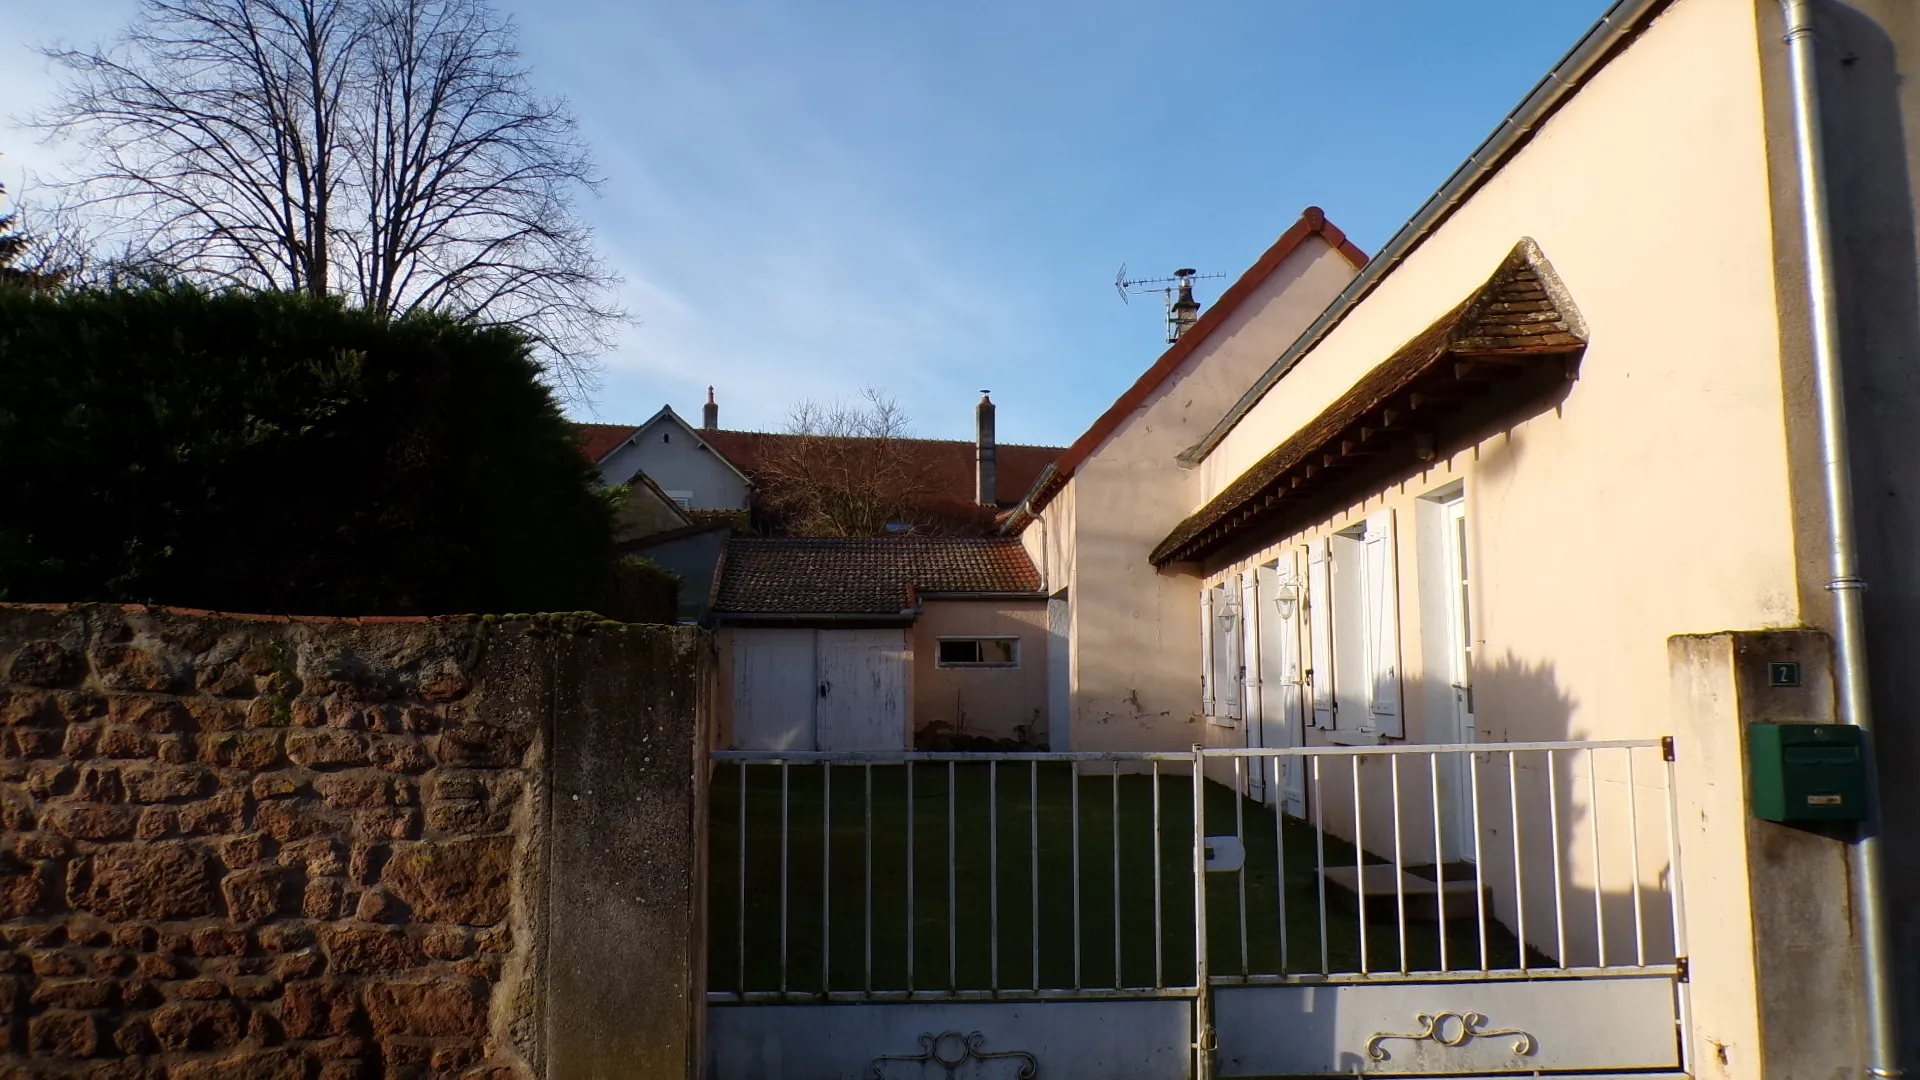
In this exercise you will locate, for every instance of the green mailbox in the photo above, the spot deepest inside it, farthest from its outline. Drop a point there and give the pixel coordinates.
(1807, 772)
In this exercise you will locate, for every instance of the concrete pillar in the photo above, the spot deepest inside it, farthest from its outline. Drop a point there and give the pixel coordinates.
(626, 895)
(1773, 964)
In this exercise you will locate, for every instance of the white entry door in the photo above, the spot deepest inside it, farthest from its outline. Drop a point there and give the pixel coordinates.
(774, 688)
(1456, 787)
(1283, 686)
(863, 690)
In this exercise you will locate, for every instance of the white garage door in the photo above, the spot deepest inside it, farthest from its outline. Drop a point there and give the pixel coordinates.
(820, 689)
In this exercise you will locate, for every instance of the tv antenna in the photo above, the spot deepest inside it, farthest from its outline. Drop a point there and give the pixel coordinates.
(1176, 293)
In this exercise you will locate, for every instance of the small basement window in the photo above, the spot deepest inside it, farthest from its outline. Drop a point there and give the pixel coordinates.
(979, 652)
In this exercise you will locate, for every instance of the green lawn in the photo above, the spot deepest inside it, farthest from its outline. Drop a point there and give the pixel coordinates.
(956, 952)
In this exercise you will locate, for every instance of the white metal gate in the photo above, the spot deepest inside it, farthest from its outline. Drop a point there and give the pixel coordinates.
(1060, 915)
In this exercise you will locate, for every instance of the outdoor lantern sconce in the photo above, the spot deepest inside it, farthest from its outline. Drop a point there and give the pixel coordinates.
(1286, 596)
(1228, 611)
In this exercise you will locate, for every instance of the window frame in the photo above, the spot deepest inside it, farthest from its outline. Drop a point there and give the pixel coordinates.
(1013, 641)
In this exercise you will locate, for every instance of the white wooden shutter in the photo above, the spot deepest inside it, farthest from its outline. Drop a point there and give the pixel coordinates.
(1383, 627)
(1320, 634)
(1206, 652)
(1249, 646)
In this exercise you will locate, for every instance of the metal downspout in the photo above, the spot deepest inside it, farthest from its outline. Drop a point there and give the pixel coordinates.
(1846, 584)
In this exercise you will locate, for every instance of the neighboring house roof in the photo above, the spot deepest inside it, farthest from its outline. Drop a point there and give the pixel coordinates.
(1514, 343)
(877, 576)
(599, 440)
(1313, 222)
(947, 465)
(648, 511)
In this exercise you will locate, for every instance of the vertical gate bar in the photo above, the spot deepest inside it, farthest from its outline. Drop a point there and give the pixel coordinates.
(953, 917)
(1033, 856)
(1439, 852)
(869, 885)
(993, 869)
(1280, 857)
(1159, 971)
(1553, 824)
(784, 801)
(1203, 999)
(1399, 864)
(1479, 862)
(1240, 786)
(743, 879)
(910, 908)
(1633, 852)
(1677, 909)
(826, 875)
(1519, 881)
(1359, 857)
(1116, 873)
(1599, 889)
(1320, 859)
(1074, 804)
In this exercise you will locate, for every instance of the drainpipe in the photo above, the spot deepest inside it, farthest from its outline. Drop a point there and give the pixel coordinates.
(1846, 584)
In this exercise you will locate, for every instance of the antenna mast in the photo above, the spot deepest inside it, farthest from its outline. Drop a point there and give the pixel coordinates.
(1176, 292)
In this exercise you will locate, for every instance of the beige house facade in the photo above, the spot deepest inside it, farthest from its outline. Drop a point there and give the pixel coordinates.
(1549, 471)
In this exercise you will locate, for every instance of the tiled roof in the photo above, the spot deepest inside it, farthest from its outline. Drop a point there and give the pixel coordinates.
(877, 576)
(947, 464)
(599, 440)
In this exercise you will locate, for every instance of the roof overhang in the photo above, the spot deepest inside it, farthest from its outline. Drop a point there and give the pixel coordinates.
(842, 619)
(1507, 351)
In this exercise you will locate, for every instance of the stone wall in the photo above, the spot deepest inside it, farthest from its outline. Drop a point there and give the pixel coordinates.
(240, 847)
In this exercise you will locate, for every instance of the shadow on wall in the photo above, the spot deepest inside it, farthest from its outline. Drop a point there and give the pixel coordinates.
(1571, 846)
(1869, 158)
(959, 732)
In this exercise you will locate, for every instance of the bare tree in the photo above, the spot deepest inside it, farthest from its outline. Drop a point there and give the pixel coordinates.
(843, 469)
(33, 259)
(389, 151)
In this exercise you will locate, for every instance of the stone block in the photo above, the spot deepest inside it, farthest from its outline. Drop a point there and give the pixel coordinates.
(280, 785)
(221, 814)
(45, 663)
(444, 1007)
(144, 881)
(212, 714)
(316, 1009)
(156, 823)
(454, 881)
(238, 852)
(290, 820)
(400, 754)
(482, 745)
(157, 784)
(197, 1025)
(353, 950)
(357, 790)
(253, 750)
(76, 993)
(155, 714)
(328, 749)
(91, 822)
(324, 898)
(220, 941)
(135, 1037)
(58, 1033)
(279, 1063)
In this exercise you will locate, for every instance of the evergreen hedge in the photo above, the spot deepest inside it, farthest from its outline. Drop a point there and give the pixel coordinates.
(275, 452)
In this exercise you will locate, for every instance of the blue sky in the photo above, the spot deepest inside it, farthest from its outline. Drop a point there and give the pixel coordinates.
(931, 197)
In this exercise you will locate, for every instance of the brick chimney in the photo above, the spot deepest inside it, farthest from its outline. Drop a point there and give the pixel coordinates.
(984, 490)
(710, 413)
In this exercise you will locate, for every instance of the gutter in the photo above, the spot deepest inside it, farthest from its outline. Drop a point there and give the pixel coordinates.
(1867, 882)
(1622, 21)
(890, 618)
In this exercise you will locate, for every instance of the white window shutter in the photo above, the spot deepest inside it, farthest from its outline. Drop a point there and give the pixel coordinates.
(1383, 627)
(1249, 643)
(1319, 602)
(1233, 673)
(1206, 652)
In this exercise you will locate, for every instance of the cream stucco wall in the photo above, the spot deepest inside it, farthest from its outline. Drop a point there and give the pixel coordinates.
(995, 702)
(1134, 649)
(1654, 501)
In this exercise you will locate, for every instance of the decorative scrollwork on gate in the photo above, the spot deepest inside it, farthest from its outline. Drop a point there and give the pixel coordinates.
(1449, 1029)
(950, 1050)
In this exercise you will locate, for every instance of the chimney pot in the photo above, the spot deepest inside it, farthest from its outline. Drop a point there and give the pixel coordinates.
(710, 414)
(985, 492)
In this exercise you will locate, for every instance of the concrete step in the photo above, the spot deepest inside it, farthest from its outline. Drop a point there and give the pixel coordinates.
(1423, 894)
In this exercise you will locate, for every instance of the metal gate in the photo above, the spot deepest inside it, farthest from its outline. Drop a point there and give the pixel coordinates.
(1058, 915)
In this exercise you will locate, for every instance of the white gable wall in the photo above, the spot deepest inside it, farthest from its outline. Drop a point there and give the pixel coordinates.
(667, 450)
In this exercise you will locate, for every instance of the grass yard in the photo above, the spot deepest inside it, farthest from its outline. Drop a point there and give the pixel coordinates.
(842, 879)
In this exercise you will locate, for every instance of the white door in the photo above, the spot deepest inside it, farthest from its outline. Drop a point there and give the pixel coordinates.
(1456, 794)
(863, 690)
(1282, 677)
(1320, 633)
(773, 689)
